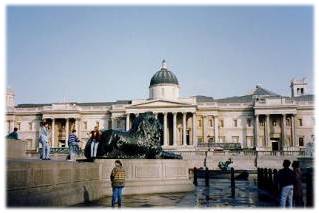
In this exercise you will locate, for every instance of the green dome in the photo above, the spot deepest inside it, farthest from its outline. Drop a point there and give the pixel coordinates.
(163, 76)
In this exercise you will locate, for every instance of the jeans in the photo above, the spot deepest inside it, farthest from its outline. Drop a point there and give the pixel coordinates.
(74, 150)
(286, 193)
(94, 145)
(117, 195)
(45, 150)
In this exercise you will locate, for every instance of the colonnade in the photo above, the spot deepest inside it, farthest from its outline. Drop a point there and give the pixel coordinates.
(267, 132)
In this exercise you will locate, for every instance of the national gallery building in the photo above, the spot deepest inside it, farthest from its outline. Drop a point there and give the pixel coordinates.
(261, 120)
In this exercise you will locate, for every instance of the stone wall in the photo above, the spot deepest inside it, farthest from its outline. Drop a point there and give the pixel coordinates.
(62, 183)
(15, 149)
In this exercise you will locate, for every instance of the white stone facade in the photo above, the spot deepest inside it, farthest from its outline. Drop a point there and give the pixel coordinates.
(261, 120)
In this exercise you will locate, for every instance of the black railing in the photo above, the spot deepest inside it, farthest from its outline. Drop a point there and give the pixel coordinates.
(267, 180)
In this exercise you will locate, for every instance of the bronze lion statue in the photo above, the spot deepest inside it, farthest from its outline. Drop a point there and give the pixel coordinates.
(141, 141)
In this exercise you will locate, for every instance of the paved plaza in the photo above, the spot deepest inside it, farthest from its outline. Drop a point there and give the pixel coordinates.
(218, 194)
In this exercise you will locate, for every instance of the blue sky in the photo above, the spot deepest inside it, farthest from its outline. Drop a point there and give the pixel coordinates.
(108, 53)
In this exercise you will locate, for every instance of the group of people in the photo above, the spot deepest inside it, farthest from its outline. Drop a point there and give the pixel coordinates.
(73, 142)
(290, 182)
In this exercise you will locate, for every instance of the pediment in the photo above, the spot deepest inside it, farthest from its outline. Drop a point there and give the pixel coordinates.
(160, 103)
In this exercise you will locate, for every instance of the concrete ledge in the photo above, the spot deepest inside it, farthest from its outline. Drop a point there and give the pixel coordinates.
(16, 149)
(61, 183)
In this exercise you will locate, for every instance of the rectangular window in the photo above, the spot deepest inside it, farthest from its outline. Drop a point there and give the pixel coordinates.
(222, 139)
(262, 123)
(19, 126)
(300, 122)
(199, 123)
(235, 123)
(221, 123)
(211, 123)
(30, 126)
(235, 139)
(250, 141)
(274, 123)
(288, 122)
(85, 125)
(301, 141)
(249, 122)
(211, 139)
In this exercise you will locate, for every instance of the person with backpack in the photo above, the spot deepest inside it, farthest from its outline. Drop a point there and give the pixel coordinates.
(118, 181)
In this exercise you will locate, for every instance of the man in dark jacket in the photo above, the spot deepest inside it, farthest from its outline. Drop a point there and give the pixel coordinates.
(14, 134)
(118, 181)
(286, 179)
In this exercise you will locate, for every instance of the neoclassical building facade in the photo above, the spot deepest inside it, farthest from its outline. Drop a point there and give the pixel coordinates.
(261, 120)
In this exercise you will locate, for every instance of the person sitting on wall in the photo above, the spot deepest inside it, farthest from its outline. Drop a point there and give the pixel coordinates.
(14, 134)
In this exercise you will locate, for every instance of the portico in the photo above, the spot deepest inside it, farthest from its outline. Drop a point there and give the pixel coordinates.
(177, 118)
(60, 127)
(274, 129)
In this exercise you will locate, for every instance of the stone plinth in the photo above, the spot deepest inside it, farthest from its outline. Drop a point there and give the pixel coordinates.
(60, 183)
(16, 149)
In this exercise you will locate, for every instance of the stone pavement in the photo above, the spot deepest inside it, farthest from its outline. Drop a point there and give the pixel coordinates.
(217, 195)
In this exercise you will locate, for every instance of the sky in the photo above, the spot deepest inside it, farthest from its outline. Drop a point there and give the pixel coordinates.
(109, 53)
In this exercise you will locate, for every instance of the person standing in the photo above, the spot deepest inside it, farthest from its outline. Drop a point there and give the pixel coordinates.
(298, 194)
(286, 179)
(118, 182)
(14, 134)
(44, 140)
(73, 143)
(95, 137)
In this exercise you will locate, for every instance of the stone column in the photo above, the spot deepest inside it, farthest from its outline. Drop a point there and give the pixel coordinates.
(113, 123)
(77, 126)
(194, 130)
(67, 132)
(174, 128)
(9, 126)
(165, 129)
(205, 128)
(127, 121)
(184, 129)
(267, 132)
(283, 131)
(216, 129)
(52, 134)
(293, 126)
(257, 131)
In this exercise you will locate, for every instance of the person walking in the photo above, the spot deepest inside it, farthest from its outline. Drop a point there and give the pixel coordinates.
(73, 143)
(14, 134)
(298, 194)
(44, 140)
(118, 182)
(286, 179)
(95, 137)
